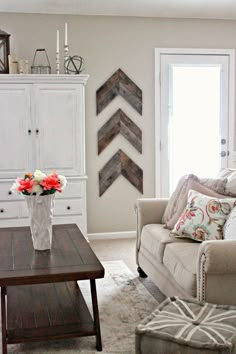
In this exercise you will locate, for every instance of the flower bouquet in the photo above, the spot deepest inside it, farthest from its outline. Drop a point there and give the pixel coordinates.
(39, 190)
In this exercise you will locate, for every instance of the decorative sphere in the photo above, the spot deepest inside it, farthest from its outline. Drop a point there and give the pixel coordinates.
(74, 64)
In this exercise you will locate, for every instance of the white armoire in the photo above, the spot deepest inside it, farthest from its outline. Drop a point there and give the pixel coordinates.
(42, 126)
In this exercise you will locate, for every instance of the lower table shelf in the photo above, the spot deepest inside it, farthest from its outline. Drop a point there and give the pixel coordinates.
(47, 311)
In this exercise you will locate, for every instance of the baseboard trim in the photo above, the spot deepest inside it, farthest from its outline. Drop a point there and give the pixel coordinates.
(112, 235)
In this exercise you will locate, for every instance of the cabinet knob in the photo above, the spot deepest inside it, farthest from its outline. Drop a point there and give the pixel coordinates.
(10, 192)
(68, 207)
(1, 210)
(37, 131)
(29, 131)
(223, 141)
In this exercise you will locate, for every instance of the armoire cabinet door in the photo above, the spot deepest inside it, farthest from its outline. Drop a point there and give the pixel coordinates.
(15, 130)
(58, 112)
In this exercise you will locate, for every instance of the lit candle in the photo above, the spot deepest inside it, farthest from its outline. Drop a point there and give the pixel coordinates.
(57, 41)
(66, 36)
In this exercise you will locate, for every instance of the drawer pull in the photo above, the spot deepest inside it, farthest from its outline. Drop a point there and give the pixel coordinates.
(10, 192)
(68, 207)
(1, 210)
(29, 131)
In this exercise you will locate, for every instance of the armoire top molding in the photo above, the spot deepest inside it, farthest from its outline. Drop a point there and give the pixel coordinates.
(31, 78)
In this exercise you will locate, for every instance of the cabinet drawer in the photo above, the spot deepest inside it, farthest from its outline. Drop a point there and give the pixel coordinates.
(11, 210)
(68, 207)
(6, 194)
(62, 207)
(73, 189)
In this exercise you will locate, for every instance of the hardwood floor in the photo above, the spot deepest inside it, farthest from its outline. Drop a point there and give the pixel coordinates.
(124, 249)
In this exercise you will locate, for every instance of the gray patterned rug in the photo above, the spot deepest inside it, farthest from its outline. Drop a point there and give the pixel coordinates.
(123, 303)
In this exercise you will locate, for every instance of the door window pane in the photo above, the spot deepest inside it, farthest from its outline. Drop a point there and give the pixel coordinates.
(194, 122)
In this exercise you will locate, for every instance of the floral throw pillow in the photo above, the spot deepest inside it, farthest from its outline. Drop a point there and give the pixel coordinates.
(204, 217)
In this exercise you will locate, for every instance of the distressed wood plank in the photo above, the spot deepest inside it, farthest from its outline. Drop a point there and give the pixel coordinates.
(119, 84)
(109, 173)
(131, 131)
(120, 164)
(119, 123)
(131, 171)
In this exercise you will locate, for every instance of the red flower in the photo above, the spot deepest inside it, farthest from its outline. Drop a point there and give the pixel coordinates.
(51, 182)
(25, 185)
(213, 206)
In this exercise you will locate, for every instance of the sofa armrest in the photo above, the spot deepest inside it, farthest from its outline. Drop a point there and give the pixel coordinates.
(148, 211)
(216, 272)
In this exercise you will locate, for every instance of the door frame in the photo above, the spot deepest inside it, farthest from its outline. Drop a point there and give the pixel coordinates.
(183, 51)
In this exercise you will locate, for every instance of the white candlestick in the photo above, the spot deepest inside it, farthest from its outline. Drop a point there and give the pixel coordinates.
(57, 41)
(58, 55)
(66, 35)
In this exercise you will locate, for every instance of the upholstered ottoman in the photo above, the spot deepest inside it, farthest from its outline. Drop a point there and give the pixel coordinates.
(187, 327)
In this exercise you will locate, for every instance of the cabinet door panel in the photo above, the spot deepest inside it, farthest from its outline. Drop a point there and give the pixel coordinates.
(15, 130)
(60, 143)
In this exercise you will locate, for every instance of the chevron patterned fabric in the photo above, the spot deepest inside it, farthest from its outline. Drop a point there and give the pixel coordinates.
(191, 323)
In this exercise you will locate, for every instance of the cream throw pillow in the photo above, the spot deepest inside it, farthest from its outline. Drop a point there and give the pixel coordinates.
(178, 200)
(230, 174)
(203, 217)
(229, 230)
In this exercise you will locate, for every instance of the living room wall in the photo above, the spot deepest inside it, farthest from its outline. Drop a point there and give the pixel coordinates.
(106, 44)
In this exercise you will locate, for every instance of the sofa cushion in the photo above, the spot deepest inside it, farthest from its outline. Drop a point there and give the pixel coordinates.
(229, 229)
(178, 200)
(230, 174)
(155, 237)
(181, 262)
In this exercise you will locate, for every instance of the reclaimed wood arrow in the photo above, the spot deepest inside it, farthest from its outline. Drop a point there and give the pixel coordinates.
(120, 164)
(119, 84)
(119, 123)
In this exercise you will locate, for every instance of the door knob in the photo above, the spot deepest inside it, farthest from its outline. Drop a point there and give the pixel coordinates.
(223, 154)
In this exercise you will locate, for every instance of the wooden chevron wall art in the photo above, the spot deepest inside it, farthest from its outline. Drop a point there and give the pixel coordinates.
(119, 84)
(120, 164)
(119, 123)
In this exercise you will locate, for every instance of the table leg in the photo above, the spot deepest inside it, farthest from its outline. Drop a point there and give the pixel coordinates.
(4, 325)
(96, 315)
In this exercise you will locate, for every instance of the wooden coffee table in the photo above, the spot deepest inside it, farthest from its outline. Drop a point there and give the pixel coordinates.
(43, 299)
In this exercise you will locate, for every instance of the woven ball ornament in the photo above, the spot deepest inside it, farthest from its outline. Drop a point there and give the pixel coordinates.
(74, 64)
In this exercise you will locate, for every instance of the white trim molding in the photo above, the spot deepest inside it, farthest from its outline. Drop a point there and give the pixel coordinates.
(231, 161)
(112, 235)
(32, 78)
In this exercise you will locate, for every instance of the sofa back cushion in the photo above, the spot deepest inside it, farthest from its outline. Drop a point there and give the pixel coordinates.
(213, 187)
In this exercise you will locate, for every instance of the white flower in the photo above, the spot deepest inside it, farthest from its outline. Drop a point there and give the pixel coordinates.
(63, 181)
(39, 176)
(15, 186)
(37, 189)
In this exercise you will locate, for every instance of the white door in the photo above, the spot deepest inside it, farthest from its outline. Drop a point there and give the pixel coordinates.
(15, 131)
(194, 116)
(59, 138)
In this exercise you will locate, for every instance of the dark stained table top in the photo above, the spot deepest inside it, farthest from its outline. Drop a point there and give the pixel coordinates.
(71, 257)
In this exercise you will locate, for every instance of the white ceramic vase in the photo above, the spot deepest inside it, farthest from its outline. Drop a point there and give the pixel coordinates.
(40, 213)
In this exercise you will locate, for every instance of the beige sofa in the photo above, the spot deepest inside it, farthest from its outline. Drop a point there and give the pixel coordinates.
(182, 267)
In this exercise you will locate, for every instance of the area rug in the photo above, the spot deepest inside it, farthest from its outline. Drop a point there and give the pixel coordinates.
(123, 303)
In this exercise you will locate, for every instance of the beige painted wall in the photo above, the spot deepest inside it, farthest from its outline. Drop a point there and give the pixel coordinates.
(106, 44)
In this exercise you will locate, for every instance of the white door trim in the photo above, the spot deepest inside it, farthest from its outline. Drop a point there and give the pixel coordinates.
(160, 51)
